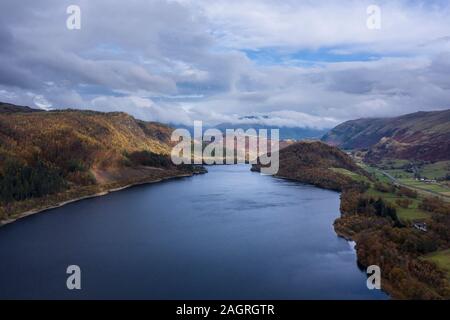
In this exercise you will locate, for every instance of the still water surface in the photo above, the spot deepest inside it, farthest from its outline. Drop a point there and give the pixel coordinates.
(228, 234)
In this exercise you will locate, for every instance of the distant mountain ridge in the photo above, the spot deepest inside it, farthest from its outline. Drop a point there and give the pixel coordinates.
(419, 136)
(286, 133)
(12, 108)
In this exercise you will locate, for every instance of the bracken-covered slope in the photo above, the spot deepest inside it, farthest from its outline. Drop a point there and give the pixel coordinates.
(415, 136)
(48, 157)
(96, 139)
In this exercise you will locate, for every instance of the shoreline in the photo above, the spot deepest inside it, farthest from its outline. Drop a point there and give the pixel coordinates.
(352, 241)
(94, 195)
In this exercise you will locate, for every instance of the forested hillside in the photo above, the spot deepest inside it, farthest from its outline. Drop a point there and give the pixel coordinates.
(314, 163)
(58, 152)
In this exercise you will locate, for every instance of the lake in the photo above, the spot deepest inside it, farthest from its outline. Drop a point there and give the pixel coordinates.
(228, 234)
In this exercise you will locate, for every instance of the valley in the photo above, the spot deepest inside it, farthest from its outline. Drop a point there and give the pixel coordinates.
(395, 209)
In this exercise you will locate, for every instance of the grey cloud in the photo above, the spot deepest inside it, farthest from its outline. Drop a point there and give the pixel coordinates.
(134, 56)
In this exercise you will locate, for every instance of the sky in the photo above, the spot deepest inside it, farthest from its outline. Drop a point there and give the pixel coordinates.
(286, 63)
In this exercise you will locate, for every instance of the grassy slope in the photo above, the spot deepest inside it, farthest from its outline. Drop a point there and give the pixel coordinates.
(353, 175)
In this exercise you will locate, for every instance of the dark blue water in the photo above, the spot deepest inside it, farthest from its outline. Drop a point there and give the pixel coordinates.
(229, 234)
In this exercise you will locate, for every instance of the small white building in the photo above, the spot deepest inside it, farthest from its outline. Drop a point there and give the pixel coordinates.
(421, 226)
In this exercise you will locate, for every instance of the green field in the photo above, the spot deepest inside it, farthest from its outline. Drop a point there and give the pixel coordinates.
(412, 213)
(376, 173)
(396, 171)
(436, 170)
(397, 168)
(393, 163)
(405, 214)
(405, 178)
(353, 175)
(441, 259)
(400, 174)
(434, 187)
